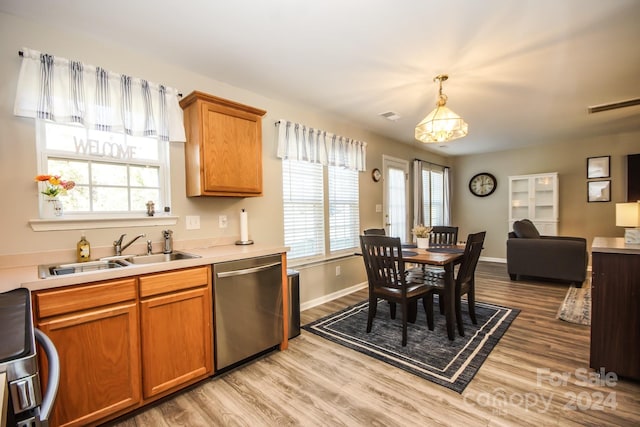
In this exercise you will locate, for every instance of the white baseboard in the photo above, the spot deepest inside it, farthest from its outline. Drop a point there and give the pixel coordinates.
(489, 259)
(332, 296)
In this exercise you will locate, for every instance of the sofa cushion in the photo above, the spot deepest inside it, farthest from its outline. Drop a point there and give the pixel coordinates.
(525, 229)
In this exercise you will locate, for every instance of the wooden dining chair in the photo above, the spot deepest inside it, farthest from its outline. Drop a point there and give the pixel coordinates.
(375, 232)
(464, 283)
(387, 279)
(443, 235)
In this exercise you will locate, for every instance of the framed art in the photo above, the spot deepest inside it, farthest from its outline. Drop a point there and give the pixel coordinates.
(598, 167)
(599, 191)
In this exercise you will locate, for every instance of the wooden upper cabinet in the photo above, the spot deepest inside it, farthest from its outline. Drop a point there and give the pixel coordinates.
(223, 152)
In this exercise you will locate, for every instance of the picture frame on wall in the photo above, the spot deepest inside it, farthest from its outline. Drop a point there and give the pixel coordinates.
(598, 167)
(599, 191)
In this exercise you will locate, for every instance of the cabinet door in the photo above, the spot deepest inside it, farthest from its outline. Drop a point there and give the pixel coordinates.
(231, 150)
(544, 193)
(519, 198)
(176, 336)
(99, 363)
(615, 337)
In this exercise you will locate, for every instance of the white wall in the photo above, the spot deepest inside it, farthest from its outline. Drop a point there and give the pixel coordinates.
(569, 159)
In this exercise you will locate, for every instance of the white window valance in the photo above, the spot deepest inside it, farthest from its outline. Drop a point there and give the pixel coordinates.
(67, 91)
(300, 142)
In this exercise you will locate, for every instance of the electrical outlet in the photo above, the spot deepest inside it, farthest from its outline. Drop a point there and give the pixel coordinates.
(193, 222)
(338, 271)
(222, 221)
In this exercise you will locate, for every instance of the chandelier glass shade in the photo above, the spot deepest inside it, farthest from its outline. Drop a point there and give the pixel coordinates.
(441, 124)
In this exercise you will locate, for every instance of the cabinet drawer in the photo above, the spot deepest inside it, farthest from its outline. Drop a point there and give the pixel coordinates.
(68, 300)
(160, 283)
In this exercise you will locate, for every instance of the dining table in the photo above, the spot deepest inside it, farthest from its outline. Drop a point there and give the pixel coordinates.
(446, 257)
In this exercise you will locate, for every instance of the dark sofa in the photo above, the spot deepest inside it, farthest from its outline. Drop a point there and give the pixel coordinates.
(550, 257)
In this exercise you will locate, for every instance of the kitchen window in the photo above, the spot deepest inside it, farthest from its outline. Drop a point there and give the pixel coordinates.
(108, 132)
(114, 173)
(307, 205)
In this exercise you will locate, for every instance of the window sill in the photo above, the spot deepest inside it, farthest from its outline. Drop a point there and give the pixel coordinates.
(88, 223)
(310, 262)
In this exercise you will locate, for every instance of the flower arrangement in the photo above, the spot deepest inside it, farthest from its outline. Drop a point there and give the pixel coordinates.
(421, 231)
(55, 185)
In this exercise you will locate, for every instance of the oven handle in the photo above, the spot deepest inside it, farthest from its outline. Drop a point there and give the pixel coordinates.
(247, 270)
(53, 380)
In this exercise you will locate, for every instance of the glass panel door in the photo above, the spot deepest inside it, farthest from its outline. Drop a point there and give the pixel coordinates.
(519, 198)
(395, 197)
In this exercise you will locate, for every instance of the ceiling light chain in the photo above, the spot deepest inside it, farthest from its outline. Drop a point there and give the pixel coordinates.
(441, 124)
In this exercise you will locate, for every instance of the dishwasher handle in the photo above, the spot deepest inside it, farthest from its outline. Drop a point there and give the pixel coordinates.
(246, 271)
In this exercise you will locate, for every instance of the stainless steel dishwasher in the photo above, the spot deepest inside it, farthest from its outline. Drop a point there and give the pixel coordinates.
(247, 300)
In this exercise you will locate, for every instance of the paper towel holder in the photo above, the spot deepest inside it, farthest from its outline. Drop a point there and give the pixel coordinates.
(244, 242)
(244, 233)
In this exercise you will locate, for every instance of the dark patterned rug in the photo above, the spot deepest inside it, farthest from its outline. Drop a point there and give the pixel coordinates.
(428, 354)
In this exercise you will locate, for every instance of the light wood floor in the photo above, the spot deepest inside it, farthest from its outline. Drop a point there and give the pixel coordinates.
(318, 383)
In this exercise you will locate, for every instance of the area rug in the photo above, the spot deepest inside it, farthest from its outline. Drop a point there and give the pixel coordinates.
(428, 354)
(576, 307)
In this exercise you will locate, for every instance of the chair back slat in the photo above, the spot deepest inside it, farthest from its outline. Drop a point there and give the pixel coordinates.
(383, 261)
(375, 232)
(443, 235)
(470, 258)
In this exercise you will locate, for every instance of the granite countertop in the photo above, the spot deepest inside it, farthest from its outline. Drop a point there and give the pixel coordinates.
(27, 276)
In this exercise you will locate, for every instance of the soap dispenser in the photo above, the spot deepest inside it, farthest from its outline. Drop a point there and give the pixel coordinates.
(167, 247)
(83, 249)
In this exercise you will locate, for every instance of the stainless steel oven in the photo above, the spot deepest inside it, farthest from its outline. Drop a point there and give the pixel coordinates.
(27, 406)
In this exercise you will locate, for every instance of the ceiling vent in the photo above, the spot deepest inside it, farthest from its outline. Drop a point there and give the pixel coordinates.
(613, 105)
(390, 115)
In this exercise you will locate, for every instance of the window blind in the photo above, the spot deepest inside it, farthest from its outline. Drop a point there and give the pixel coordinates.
(303, 203)
(433, 190)
(344, 213)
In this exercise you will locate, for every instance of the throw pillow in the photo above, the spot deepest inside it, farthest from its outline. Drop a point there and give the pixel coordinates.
(525, 229)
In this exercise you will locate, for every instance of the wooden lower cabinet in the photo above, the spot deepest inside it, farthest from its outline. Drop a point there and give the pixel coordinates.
(176, 325)
(95, 330)
(124, 343)
(615, 313)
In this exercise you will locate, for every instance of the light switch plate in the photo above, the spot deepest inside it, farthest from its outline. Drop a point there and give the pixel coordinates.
(378, 208)
(193, 222)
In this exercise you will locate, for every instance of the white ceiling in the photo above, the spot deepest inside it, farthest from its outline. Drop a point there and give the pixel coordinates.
(521, 72)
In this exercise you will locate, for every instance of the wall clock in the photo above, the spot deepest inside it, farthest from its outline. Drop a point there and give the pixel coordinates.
(376, 174)
(483, 184)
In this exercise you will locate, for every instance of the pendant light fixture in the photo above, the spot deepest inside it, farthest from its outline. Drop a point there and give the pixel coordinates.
(441, 124)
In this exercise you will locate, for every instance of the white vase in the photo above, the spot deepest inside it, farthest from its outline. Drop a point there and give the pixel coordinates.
(51, 207)
(422, 242)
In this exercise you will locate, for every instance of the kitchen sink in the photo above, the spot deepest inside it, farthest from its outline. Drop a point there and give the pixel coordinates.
(148, 259)
(119, 261)
(79, 267)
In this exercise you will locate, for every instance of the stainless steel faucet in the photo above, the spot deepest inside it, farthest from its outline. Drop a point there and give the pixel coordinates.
(119, 247)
